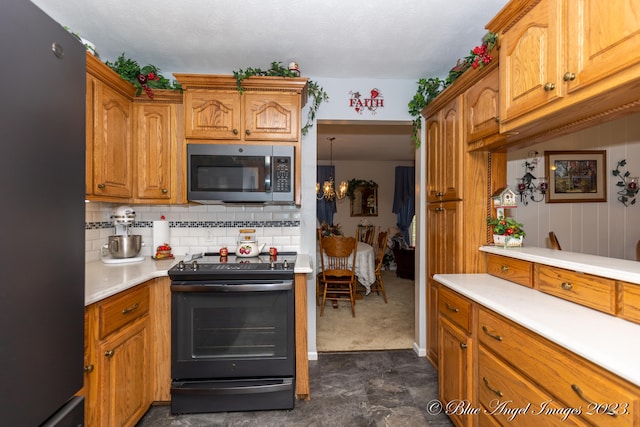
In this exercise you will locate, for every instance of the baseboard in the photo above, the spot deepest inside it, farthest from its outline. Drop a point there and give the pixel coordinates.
(422, 352)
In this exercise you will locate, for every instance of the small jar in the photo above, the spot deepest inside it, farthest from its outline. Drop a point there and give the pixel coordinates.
(224, 252)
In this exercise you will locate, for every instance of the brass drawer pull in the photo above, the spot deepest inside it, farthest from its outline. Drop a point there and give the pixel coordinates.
(88, 369)
(486, 383)
(486, 331)
(128, 310)
(567, 286)
(504, 268)
(109, 353)
(569, 76)
(439, 194)
(463, 346)
(599, 408)
(450, 308)
(439, 209)
(549, 87)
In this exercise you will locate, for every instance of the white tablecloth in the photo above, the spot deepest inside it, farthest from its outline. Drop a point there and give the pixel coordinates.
(365, 265)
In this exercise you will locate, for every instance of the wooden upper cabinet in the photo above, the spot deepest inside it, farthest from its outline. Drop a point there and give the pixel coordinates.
(603, 40)
(482, 103)
(566, 65)
(530, 57)
(213, 114)
(112, 140)
(271, 116)
(268, 108)
(157, 149)
(444, 153)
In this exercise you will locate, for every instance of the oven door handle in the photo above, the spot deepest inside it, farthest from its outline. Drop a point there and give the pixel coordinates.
(202, 389)
(233, 287)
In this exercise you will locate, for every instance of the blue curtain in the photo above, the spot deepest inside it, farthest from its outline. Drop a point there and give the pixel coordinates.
(324, 208)
(404, 198)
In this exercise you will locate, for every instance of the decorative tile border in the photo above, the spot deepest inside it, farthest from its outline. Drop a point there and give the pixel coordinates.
(200, 224)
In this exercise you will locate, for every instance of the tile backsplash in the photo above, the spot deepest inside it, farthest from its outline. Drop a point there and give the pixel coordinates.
(196, 228)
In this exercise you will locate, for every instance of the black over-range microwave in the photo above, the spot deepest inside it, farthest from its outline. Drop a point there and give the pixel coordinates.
(219, 173)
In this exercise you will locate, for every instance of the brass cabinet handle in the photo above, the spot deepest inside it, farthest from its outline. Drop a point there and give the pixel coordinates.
(109, 353)
(165, 191)
(450, 308)
(88, 369)
(504, 268)
(567, 286)
(235, 131)
(439, 194)
(101, 186)
(439, 209)
(463, 346)
(597, 406)
(569, 76)
(130, 309)
(486, 383)
(549, 87)
(497, 119)
(486, 331)
(248, 132)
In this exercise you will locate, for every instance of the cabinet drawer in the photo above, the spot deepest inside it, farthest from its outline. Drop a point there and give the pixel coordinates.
(503, 391)
(121, 309)
(630, 308)
(511, 269)
(591, 291)
(572, 380)
(455, 308)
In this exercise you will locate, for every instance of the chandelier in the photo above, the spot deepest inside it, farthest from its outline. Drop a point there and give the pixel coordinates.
(328, 187)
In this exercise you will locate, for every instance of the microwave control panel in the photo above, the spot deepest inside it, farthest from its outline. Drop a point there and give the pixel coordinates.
(282, 175)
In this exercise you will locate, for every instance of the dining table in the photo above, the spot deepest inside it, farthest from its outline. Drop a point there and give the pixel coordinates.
(365, 269)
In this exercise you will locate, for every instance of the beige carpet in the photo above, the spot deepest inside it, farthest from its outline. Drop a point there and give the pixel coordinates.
(377, 326)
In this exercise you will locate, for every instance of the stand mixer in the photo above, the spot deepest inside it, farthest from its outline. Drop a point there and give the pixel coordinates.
(122, 246)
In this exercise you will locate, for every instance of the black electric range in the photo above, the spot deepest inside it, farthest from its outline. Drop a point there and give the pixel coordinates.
(212, 266)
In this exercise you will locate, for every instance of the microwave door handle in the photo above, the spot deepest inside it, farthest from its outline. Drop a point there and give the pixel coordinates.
(267, 174)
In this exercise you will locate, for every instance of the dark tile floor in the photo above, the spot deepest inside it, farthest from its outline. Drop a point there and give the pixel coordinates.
(376, 388)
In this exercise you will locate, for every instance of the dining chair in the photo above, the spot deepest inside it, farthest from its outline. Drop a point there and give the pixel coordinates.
(380, 249)
(366, 233)
(337, 279)
(554, 241)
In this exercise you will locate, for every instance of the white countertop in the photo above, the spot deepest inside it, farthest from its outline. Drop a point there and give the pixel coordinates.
(613, 268)
(104, 280)
(605, 340)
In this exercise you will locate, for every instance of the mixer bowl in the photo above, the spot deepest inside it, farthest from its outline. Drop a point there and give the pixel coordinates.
(124, 246)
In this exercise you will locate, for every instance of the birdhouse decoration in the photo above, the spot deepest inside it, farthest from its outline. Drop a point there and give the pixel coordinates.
(503, 198)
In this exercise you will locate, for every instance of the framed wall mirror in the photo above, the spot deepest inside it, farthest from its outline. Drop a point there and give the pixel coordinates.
(365, 200)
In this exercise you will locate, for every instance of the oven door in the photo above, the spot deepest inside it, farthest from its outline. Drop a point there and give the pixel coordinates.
(232, 329)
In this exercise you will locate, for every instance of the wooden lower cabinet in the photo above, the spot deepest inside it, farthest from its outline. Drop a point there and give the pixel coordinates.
(510, 375)
(121, 352)
(455, 368)
(123, 395)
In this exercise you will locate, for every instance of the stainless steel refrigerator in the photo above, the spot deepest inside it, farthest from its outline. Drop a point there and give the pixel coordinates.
(42, 187)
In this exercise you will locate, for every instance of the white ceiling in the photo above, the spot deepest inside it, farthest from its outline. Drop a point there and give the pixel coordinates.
(401, 39)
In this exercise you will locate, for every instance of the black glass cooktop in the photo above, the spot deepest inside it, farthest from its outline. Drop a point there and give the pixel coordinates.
(212, 265)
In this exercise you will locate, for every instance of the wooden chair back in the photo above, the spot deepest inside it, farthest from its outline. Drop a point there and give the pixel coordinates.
(380, 249)
(337, 256)
(554, 241)
(366, 233)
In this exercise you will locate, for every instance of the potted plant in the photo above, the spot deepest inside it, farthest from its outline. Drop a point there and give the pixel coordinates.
(506, 231)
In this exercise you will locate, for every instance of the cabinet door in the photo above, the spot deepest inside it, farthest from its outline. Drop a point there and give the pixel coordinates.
(603, 39)
(455, 364)
(529, 59)
(213, 114)
(444, 153)
(124, 379)
(271, 116)
(153, 152)
(112, 140)
(432, 321)
(482, 107)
